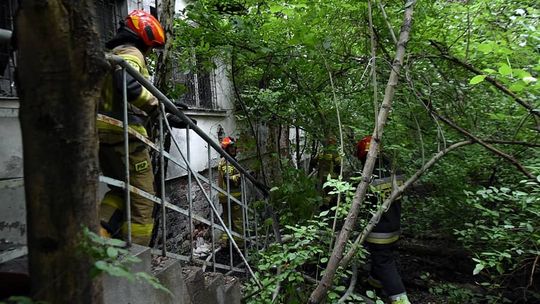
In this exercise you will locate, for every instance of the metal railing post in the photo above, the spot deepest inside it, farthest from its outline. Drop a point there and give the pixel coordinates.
(162, 183)
(165, 102)
(212, 231)
(127, 194)
(229, 213)
(190, 198)
(243, 199)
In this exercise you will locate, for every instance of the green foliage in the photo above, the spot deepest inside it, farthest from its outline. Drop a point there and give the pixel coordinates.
(296, 197)
(21, 300)
(306, 251)
(457, 294)
(113, 258)
(505, 235)
(280, 54)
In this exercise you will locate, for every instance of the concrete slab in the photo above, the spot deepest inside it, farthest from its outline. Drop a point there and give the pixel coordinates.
(233, 294)
(121, 290)
(193, 276)
(171, 277)
(214, 286)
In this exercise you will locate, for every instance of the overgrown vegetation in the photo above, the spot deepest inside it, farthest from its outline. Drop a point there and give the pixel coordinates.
(112, 257)
(471, 72)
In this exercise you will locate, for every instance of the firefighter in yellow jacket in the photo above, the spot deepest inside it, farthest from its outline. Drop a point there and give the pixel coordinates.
(228, 172)
(137, 35)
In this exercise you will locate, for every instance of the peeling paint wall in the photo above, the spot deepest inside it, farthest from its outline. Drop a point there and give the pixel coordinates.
(12, 203)
(11, 165)
(12, 212)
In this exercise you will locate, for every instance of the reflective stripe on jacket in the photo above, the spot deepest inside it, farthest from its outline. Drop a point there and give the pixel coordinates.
(235, 189)
(137, 95)
(388, 228)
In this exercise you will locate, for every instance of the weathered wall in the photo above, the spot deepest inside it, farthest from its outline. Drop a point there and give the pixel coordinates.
(11, 165)
(12, 204)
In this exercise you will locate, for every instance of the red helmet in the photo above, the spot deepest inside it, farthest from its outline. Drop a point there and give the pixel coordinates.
(147, 27)
(362, 147)
(227, 142)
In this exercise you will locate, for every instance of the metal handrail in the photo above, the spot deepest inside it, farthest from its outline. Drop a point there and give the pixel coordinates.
(166, 103)
(174, 110)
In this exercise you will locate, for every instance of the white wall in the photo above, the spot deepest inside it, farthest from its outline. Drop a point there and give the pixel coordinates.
(136, 4)
(210, 122)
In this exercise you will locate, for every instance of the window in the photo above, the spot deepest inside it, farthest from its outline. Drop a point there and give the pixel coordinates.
(7, 57)
(198, 87)
(107, 19)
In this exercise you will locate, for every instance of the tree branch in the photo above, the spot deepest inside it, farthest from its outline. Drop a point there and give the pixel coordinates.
(395, 194)
(493, 81)
(326, 282)
(454, 126)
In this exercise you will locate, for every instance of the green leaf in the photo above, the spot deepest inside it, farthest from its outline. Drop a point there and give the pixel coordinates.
(115, 242)
(477, 79)
(505, 70)
(101, 265)
(518, 86)
(370, 294)
(340, 288)
(112, 252)
(485, 48)
(478, 268)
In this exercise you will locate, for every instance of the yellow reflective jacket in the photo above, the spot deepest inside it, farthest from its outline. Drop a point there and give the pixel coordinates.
(137, 95)
(225, 167)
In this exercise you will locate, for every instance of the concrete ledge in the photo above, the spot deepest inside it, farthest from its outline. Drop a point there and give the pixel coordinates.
(121, 290)
(193, 276)
(171, 277)
(232, 290)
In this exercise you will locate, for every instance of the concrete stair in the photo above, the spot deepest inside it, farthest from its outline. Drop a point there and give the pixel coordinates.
(188, 285)
(211, 287)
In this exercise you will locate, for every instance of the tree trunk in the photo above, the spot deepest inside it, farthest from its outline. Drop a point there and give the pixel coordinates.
(164, 62)
(60, 73)
(320, 291)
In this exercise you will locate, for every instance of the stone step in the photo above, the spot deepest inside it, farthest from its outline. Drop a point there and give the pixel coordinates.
(233, 292)
(122, 290)
(170, 275)
(193, 276)
(214, 284)
(211, 287)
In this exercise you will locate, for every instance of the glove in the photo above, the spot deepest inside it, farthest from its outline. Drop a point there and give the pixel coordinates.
(176, 122)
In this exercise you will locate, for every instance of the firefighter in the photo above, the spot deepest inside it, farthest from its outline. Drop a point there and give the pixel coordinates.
(137, 35)
(328, 162)
(227, 170)
(382, 240)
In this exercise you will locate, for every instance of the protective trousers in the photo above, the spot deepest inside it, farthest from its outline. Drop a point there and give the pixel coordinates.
(384, 268)
(113, 205)
(236, 218)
